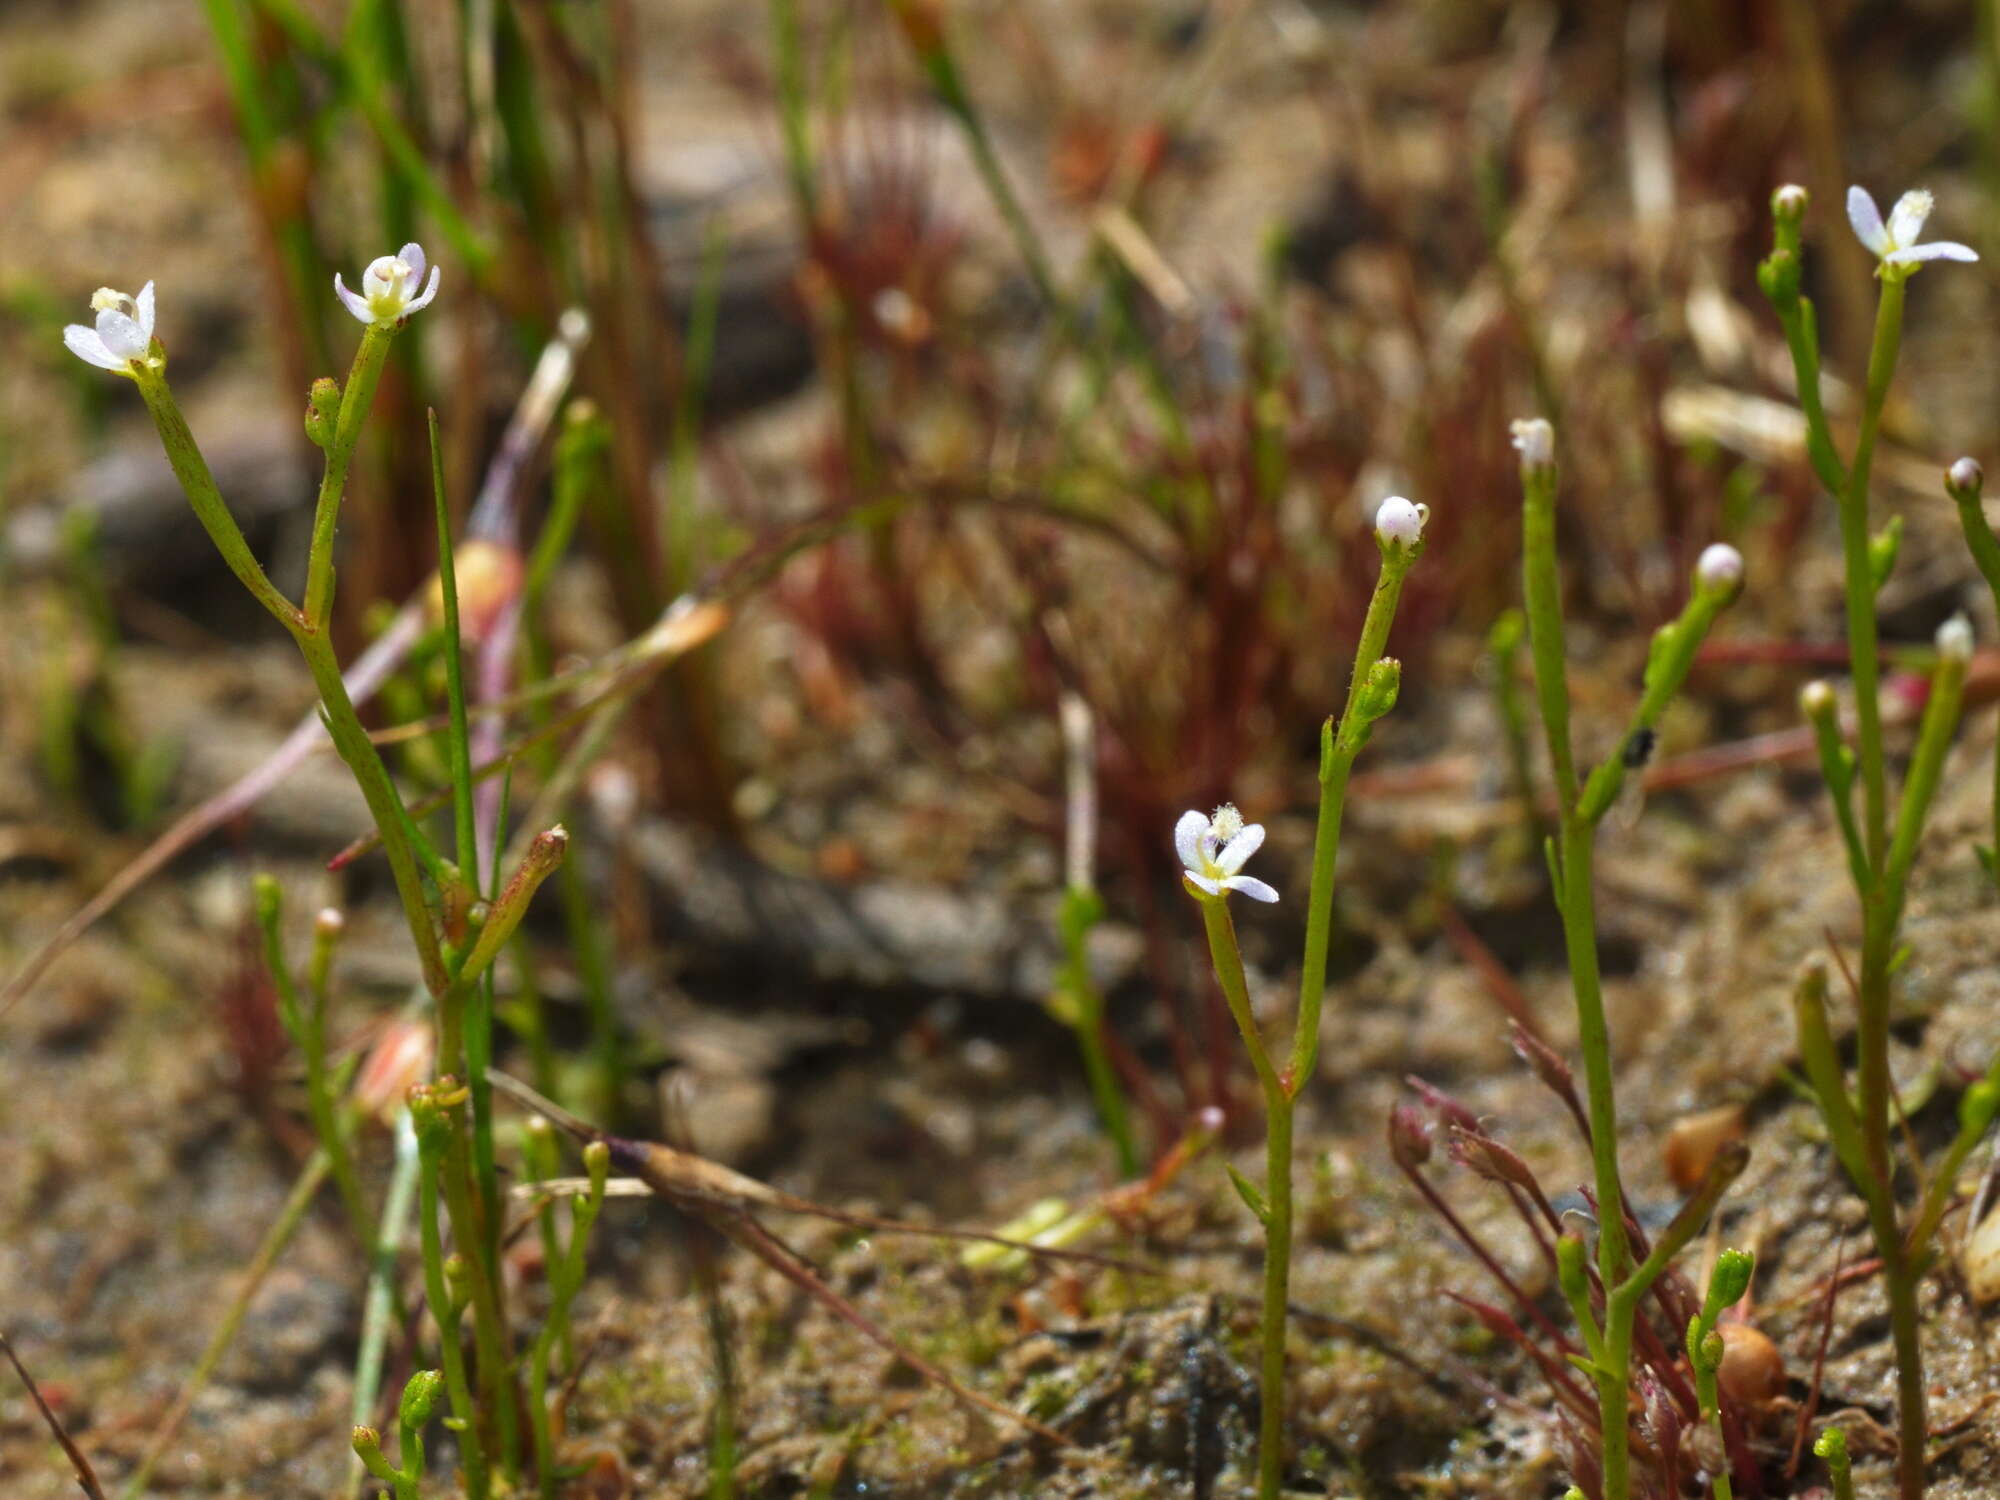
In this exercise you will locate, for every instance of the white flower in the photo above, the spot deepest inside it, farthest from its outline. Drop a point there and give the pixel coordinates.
(389, 287)
(1400, 521)
(1954, 639)
(1215, 848)
(1720, 566)
(1536, 440)
(1896, 242)
(124, 330)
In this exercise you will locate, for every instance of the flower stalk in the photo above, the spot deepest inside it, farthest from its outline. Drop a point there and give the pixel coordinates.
(1214, 850)
(1882, 842)
(1581, 806)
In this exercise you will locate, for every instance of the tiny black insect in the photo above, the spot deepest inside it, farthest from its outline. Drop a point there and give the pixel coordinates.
(1639, 748)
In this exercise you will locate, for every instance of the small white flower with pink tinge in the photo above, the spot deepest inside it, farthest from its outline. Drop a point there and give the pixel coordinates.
(1895, 243)
(1535, 440)
(389, 287)
(124, 330)
(1954, 639)
(1215, 847)
(1401, 521)
(1720, 566)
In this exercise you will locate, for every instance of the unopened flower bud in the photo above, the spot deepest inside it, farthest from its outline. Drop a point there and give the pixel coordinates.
(1536, 441)
(1730, 1279)
(1964, 479)
(1719, 569)
(322, 410)
(488, 576)
(1883, 549)
(420, 1398)
(1379, 690)
(1954, 639)
(1400, 522)
(1816, 698)
(1789, 203)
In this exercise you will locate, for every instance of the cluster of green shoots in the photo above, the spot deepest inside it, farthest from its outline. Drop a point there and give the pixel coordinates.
(459, 918)
(1882, 835)
(1881, 845)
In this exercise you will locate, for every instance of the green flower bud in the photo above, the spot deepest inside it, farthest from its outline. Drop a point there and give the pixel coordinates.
(1379, 690)
(1882, 550)
(322, 410)
(1728, 1281)
(420, 1398)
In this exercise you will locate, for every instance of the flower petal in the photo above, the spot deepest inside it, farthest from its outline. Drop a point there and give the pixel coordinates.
(1214, 888)
(1867, 220)
(1236, 853)
(355, 303)
(87, 346)
(1906, 219)
(1933, 250)
(121, 334)
(1250, 886)
(1187, 838)
(144, 302)
(429, 292)
(412, 255)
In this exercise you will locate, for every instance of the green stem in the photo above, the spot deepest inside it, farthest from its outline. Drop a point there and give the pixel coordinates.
(1860, 579)
(433, 1128)
(1338, 748)
(489, 1328)
(191, 469)
(379, 1305)
(1277, 1206)
(356, 396)
(1912, 1423)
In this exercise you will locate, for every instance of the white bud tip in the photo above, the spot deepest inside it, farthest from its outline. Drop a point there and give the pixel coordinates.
(1965, 475)
(1399, 520)
(1816, 698)
(1954, 639)
(1789, 199)
(1536, 440)
(1720, 566)
(330, 919)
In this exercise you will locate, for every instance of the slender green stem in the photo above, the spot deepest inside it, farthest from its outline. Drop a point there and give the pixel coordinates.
(489, 1328)
(565, 1277)
(1338, 748)
(460, 734)
(433, 1126)
(1963, 482)
(356, 396)
(385, 806)
(1082, 908)
(1277, 1200)
(1831, 1448)
(1541, 589)
(307, 1025)
(1860, 579)
(379, 1306)
(191, 469)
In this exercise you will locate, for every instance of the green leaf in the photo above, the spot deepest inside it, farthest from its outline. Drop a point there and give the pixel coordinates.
(1249, 1192)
